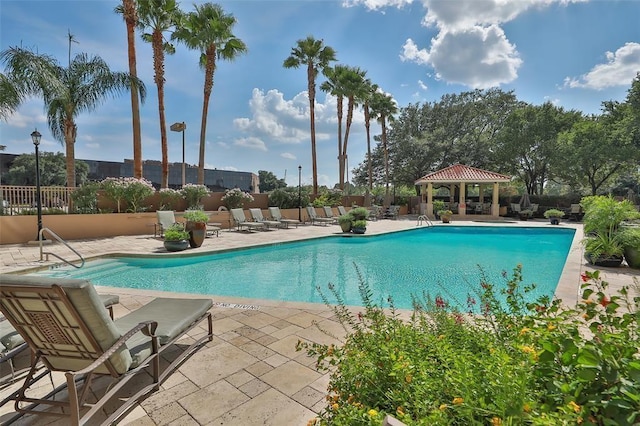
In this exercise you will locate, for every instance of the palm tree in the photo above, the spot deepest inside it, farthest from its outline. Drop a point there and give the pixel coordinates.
(316, 56)
(66, 92)
(11, 96)
(383, 108)
(333, 85)
(159, 16)
(129, 12)
(209, 30)
(355, 90)
(370, 89)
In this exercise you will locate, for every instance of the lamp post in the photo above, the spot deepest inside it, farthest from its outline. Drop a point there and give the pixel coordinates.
(299, 194)
(181, 127)
(35, 137)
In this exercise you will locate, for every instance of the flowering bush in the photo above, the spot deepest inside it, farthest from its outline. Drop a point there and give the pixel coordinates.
(516, 362)
(131, 190)
(194, 194)
(235, 198)
(168, 198)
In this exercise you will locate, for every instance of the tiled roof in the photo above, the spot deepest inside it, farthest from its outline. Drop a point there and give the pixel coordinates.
(462, 173)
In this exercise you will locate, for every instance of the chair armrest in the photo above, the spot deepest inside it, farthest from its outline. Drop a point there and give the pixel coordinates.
(146, 327)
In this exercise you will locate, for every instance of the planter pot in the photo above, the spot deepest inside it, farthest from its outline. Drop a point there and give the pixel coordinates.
(176, 245)
(554, 220)
(346, 226)
(446, 219)
(197, 233)
(609, 262)
(524, 217)
(358, 230)
(632, 256)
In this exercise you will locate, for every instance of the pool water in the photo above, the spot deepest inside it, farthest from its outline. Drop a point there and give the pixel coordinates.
(437, 260)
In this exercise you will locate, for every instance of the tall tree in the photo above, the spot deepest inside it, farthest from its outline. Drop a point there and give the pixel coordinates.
(333, 85)
(383, 108)
(129, 11)
(316, 56)
(355, 90)
(209, 30)
(159, 17)
(66, 92)
(11, 96)
(370, 89)
(269, 181)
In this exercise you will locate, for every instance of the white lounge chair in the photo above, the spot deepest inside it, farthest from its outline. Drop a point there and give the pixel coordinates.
(328, 213)
(68, 330)
(166, 219)
(241, 221)
(275, 214)
(314, 218)
(256, 215)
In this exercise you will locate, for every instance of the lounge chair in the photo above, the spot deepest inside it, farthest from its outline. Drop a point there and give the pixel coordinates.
(576, 213)
(166, 219)
(314, 218)
(515, 209)
(328, 213)
(241, 221)
(275, 214)
(256, 215)
(67, 328)
(12, 342)
(342, 211)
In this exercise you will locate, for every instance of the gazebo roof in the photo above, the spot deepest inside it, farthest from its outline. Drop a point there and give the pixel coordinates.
(462, 173)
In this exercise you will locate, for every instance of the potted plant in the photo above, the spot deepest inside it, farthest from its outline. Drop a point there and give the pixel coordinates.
(604, 249)
(631, 244)
(438, 205)
(196, 225)
(359, 226)
(445, 215)
(359, 213)
(176, 238)
(554, 215)
(345, 221)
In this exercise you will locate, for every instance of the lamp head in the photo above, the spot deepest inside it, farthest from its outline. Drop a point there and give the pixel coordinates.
(35, 137)
(299, 168)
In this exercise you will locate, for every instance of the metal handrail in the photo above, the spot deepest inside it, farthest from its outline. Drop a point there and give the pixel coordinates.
(53, 234)
(424, 218)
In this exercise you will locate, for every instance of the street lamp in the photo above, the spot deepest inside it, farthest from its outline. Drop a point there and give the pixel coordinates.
(181, 127)
(299, 194)
(35, 137)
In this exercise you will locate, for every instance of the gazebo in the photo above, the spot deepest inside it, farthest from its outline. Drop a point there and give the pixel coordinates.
(461, 175)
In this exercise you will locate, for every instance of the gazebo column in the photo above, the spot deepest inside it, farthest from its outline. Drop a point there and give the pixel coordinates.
(462, 204)
(430, 199)
(495, 202)
(480, 193)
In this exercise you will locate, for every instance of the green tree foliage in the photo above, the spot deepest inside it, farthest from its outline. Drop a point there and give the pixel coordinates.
(269, 181)
(287, 198)
(52, 170)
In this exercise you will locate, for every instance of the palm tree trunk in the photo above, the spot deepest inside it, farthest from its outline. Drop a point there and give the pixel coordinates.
(367, 125)
(208, 88)
(130, 14)
(340, 159)
(158, 66)
(312, 113)
(383, 120)
(346, 138)
(69, 144)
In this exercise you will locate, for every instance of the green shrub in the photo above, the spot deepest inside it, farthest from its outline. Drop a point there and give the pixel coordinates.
(287, 198)
(512, 363)
(359, 213)
(194, 194)
(196, 216)
(176, 232)
(359, 224)
(553, 213)
(85, 198)
(235, 198)
(331, 198)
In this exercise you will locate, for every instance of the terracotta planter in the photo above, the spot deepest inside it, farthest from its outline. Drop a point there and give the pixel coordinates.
(445, 219)
(176, 245)
(197, 233)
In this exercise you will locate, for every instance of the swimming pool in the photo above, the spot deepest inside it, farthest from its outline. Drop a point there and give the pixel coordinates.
(434, 260)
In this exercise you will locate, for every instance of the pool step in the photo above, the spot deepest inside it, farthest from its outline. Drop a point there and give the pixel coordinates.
(90, 273)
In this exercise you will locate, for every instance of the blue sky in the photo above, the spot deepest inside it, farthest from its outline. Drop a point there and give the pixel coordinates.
(575, 54)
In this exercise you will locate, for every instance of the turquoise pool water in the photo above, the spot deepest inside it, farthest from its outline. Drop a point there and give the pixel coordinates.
(436, 260)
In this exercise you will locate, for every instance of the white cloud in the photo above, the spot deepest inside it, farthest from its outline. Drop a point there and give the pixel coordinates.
(619, 70)
(422, 85)
(229, 168)
(288, 156)
(251, 143)
(377, 4)
(411, 53)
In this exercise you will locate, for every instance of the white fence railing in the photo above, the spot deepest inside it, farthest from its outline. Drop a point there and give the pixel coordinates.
(18, 199)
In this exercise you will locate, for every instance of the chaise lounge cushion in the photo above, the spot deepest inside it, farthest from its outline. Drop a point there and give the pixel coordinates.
(176, 314)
